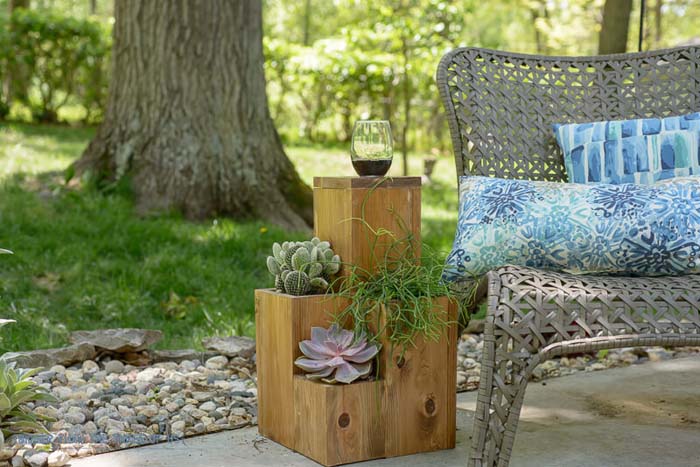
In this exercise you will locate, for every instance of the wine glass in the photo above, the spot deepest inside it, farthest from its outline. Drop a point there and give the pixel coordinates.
(371, 149)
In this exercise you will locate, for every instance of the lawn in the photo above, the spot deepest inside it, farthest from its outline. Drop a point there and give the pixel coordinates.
(83, 260)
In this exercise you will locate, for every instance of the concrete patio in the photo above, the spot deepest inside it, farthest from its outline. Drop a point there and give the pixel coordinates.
(642, 415)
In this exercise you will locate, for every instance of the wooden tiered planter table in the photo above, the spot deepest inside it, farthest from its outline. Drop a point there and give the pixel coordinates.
(411, 407)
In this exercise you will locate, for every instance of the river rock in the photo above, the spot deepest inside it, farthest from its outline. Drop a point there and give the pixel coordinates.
(58, 459)
(37, 459)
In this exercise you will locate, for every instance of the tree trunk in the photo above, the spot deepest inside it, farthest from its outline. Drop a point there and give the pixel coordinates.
(307, 23)
(657, 19)
(93, 7)
(14, 4)
(616, 22)
(187, 117)
(406, 106)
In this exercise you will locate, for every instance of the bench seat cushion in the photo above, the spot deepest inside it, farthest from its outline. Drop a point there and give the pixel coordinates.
(625, 229)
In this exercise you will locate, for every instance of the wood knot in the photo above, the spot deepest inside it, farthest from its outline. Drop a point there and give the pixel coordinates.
(400, 362)
(430, 406)
(344, 420)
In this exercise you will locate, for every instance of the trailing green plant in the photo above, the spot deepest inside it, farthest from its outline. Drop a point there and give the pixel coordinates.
(402, 284)
(302, 268)
(405, 288)
(336, 355)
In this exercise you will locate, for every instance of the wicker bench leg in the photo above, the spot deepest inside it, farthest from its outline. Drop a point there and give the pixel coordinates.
(504, 379)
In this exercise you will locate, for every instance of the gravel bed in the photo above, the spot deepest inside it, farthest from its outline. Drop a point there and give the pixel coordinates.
(105, 406)
(109, 406)
(470, 348)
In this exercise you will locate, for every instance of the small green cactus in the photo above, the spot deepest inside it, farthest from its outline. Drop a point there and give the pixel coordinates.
(300, 268)
(297, 283)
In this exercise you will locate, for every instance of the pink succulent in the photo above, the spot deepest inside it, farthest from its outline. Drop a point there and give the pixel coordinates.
(335, 351)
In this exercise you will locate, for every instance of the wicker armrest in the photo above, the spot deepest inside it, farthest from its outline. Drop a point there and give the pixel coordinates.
(534, 315)
(545, 308)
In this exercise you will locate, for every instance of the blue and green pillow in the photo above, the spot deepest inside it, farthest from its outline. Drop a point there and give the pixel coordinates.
(631, 151)
(624, 229)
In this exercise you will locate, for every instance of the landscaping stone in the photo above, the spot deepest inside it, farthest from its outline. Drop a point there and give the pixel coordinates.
(7, 452)
(180, 355)
(114, 366)
(121, 340)
(58, 459)
(470, 348)
(217, 363)
(231, 346)
(107, 405)
(37, 459)
(45, 358)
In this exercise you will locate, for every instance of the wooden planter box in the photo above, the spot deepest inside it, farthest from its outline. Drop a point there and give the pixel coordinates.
(411, 408)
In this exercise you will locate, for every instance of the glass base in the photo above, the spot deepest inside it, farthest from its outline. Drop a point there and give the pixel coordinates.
(371, 167)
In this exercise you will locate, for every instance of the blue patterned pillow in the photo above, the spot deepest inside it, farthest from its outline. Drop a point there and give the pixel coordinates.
(606, 229)
(630, 151)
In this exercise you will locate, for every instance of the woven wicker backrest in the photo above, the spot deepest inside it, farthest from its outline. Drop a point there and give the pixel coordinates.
(500, 105)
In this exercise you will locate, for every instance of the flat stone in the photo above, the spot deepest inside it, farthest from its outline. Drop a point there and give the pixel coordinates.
(49, 357)
(202, 396)
(231, 346)
(475, 326)
(179, 356)
(121, 340)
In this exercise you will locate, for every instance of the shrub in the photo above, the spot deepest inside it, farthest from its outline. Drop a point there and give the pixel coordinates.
(63, 58)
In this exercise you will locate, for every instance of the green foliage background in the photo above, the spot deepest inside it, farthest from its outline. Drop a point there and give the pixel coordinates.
(83, 260)
(328, 62)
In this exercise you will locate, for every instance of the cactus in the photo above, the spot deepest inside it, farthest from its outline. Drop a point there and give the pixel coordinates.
(312, 261)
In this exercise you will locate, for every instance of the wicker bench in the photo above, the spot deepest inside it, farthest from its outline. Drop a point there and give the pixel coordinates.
(500, 107)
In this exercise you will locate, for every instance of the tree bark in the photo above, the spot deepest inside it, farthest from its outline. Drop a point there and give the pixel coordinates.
(14, 4)
(187, 118)
(406, 87)
(615, 28)
(658, 11)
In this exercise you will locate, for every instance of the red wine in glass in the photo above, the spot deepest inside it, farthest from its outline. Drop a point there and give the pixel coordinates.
(371, 148)
(371, 167)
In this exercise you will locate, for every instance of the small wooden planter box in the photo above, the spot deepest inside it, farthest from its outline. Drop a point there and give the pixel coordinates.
(411, 408)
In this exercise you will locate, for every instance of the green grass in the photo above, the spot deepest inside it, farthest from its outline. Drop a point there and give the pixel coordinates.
(83, 260)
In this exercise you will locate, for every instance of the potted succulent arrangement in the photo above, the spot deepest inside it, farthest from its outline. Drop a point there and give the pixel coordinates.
(302, 268)
(358, 333)
(372, 353)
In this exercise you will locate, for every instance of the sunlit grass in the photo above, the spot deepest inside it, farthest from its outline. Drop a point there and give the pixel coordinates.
(84, 260)
(32, 149)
